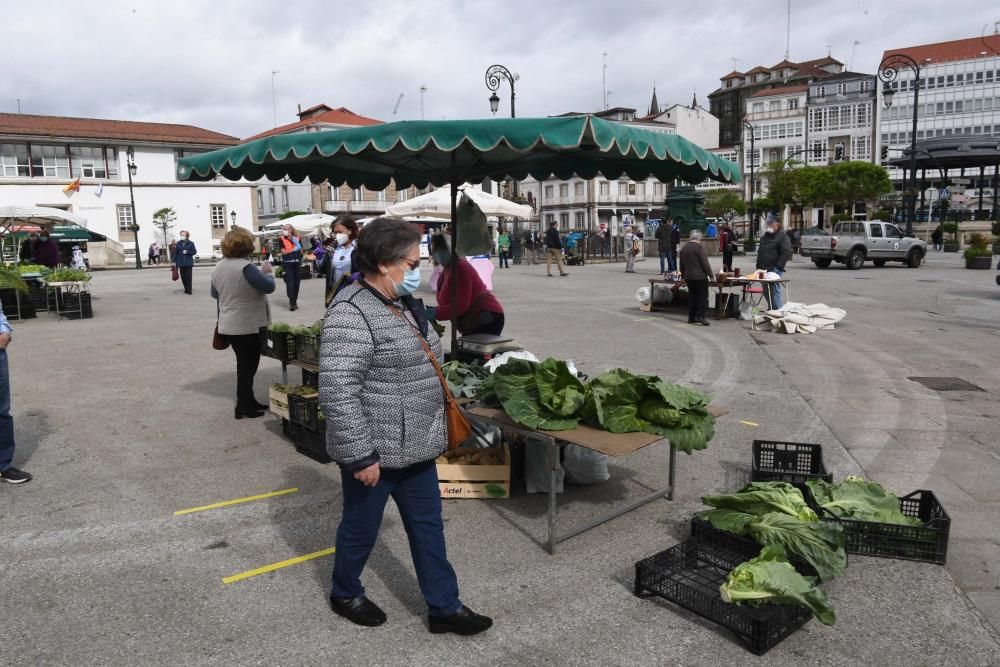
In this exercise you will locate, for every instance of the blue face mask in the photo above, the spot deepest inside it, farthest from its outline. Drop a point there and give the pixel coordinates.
(411, 281)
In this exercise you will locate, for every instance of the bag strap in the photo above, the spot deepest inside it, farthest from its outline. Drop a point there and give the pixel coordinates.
(428, 351)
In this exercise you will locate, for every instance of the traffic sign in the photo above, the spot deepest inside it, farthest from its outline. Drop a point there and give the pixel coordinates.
(603, 226)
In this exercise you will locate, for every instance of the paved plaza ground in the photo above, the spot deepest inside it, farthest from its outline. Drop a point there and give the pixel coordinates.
(126, 418)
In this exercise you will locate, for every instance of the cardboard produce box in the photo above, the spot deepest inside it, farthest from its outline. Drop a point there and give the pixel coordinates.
(278, 400)
(476, 480)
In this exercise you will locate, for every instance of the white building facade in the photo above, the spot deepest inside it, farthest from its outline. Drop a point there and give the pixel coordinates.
(41, 155)
(842, 113)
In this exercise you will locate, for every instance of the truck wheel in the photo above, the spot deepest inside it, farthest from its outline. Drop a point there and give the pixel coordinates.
(914, 258)
(822, 262)
(878, 262)
(856, 259)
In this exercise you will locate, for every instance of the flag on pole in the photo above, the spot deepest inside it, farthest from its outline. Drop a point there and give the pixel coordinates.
(73, 187)
(100, 189)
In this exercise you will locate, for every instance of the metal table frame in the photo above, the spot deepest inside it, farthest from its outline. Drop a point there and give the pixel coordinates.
(554, 445)
(757, 300)
(63, 288)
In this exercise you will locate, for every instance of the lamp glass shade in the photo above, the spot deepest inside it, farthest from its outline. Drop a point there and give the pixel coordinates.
(887, 94)
(494, 102)
(133, 169)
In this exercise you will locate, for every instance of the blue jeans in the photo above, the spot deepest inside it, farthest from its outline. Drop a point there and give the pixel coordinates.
(418, 497)
(672, 260)
(663, 261)
(6, 421)
(775, 294)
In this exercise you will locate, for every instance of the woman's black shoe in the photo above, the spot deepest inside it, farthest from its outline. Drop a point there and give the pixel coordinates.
(260, 406)
(249, 414)
(359, 610)
(463, 622)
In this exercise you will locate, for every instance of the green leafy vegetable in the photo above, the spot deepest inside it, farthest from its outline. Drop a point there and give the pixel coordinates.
(559, 390)
(279, 327)
(759, 498)
(464, 379)
(517, 390)
(771, 578)
(856, 498)
(819, 543)
(10, 279)
(68, 276)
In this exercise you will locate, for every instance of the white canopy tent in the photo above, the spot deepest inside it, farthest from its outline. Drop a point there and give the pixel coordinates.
(307, 224)
(437, 205)
(42, 216)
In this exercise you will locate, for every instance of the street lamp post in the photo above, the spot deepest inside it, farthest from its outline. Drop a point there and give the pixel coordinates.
(132, 169)
(232, 215)
(748, 128)
(888, 70)
(496, 75)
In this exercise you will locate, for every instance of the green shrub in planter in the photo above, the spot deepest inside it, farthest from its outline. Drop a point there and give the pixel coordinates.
(978, 255)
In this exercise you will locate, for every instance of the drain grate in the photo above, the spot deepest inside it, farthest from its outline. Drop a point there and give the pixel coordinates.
(946, 384)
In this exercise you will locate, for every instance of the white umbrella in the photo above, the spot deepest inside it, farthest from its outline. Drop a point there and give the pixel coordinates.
(307, 223)
(36, 215)
(437, 204)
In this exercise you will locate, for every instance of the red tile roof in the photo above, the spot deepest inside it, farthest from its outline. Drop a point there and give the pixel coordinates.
(819, 62)
(342, 116)
(959, 49)
(787, 90)
(733, 75)
(759, 70)
(28, 125)
(784, 63)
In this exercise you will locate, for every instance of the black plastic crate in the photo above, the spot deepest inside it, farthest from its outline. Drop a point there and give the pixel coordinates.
(310, 378)
(76, 306)
(742, 545)
(304, 410)
(927, 543)
(690, 573)
(310, 443)
(280, 346)
(792, 462)
(307, 349)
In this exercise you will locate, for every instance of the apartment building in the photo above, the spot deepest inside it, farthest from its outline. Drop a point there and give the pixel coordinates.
(842, 113)
(41, 155)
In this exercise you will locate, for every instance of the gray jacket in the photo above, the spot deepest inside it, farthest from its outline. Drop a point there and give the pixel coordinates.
(242, 292)
(379, 391)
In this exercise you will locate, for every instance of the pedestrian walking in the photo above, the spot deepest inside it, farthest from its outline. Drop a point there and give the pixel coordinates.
(291, 264)
(159, 253)
(662, 236)
(675, 241)
(241, 288)
(772, 256)
(503, 248)
(152, 254)
(631, 249)
(172, 251)
(553, 250)
(380, 389)
(184, 253)
(727, 245)
(8, 473)
(936, 237)
(696, 272)
(531, 243)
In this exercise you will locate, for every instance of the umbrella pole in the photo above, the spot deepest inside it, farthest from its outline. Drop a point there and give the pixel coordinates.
(454, 264)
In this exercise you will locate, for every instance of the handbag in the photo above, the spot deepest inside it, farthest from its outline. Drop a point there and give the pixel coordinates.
(459, 428)
(175, 274)
(219, 341)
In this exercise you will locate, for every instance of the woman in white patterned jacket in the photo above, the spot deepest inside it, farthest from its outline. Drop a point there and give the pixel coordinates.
(384, 408)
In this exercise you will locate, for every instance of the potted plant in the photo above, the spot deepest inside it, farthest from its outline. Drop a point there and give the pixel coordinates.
(978, 255)
(995, 230)
(950, 228)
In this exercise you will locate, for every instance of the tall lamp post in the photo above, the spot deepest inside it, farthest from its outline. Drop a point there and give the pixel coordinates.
(748, 129)
(496, 75)
(888, 70)
(132, 169)
(232, 215)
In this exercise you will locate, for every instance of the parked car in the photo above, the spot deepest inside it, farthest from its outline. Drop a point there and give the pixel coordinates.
(855, 242)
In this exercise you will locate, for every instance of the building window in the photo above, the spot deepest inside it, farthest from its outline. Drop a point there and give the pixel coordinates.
(793, 103)
(218, 215)
(821, 91)
(49, 161)
(758, 107)
(284, 197)
(841, 88)
(270, 200)
(14, 160)
(401, 195)
(579, 219)
(380, 195)
(563, 190)
(125, 219)
(640, 189)
(335, 193)
(549, 192)
(631, 188)
(358, 194)
(549, 218)
(658, 187)
(774, 105)
(622, 189)
(578, 189)
(564, 221)
(865, 86)
(88, 161)
(260, 199)
(605, 189)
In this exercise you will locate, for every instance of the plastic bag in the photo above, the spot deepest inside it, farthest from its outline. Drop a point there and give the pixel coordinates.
(501, 359)
(585, 466)
(536, 465)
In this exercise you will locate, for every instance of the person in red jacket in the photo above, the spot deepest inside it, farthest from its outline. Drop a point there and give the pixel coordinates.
(476, 308)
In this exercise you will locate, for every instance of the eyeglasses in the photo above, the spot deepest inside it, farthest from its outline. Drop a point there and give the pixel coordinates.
(413, 264)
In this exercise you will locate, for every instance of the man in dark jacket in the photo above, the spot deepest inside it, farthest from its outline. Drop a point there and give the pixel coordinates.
(553, 250)
(696, 272)
(46, 251)
(184, 253)
(675, 241)
(773, 254)
(662, 236)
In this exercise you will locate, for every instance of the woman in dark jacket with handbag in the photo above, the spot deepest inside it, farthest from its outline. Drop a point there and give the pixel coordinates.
(241, 290)
(385, 413)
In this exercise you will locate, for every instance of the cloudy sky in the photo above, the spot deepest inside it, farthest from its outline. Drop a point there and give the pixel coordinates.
(209, 63)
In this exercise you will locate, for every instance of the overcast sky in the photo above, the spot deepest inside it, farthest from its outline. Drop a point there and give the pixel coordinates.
(209, 63)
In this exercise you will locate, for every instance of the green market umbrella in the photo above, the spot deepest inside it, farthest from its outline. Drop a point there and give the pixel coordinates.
(422, 153)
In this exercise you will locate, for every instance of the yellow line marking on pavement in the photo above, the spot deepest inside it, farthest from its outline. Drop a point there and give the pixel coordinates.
(748, 423)
(277, 566)
(644, 319)
(681, 325)
(227, 503)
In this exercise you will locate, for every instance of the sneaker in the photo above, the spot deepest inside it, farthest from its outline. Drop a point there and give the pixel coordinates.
(15, 476)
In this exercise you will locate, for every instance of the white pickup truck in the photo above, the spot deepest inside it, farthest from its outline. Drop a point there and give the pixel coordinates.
(853, 243)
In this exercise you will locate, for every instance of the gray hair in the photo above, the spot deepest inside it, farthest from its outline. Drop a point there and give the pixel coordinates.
(383, 241)
(695, 235)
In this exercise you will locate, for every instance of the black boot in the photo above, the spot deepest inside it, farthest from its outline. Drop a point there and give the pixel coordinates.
(462, 622)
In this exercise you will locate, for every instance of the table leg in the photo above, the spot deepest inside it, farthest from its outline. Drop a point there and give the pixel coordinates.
(553, 479)
(670, 473)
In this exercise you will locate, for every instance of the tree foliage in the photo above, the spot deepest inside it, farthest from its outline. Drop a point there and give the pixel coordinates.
(844, 183)
(725, 204)
(857, 181)
(291, 214)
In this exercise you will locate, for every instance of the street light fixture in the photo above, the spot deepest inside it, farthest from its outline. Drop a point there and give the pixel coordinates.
(748, 128)
(132, 170)
(232, 215)
(496, 75)
(494, 103)
(888, 70)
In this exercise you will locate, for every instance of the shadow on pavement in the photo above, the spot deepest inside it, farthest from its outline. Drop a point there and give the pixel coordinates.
(30, 429)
